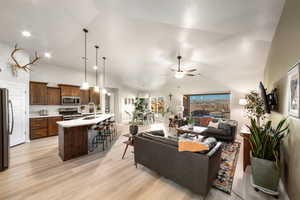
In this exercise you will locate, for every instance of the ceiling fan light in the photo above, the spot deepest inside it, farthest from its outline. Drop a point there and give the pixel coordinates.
(179, 75)
(85, 86)
(104, 91)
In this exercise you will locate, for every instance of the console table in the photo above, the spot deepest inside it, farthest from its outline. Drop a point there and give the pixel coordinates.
(247, 148)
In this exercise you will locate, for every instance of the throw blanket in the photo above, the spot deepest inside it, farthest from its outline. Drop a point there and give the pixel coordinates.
(193, 144)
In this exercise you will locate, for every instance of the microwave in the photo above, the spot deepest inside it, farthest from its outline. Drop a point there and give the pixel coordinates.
(70, 100)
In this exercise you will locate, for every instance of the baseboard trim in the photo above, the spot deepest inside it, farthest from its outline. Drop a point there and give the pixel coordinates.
(283, 194)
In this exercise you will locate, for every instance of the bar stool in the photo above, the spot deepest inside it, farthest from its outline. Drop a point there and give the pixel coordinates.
(99, 138)
(113, 127)
(107, 131)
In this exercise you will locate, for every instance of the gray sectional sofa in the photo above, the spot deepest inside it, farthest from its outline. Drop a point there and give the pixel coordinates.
(195, 171)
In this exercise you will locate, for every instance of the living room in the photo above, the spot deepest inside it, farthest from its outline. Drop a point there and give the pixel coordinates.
(166, 99)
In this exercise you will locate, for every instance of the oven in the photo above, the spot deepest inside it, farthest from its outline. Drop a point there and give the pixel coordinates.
(70, 100)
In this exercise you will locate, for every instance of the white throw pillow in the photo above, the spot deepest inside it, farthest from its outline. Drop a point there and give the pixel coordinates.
(213, 124)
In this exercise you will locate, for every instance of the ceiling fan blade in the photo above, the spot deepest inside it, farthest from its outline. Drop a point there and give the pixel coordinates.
(193, 74)
(191, 70)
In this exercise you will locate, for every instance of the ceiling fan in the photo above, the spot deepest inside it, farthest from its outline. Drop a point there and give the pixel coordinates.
(180, 73)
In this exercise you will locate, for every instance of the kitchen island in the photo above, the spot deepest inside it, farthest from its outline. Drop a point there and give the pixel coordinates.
(73, 135)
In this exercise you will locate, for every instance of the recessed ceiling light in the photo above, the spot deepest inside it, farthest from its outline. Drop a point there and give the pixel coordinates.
(26, 33)
(95, 67)
(47, 55)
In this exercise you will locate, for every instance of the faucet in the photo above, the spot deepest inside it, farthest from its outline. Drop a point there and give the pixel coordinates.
(94, 105)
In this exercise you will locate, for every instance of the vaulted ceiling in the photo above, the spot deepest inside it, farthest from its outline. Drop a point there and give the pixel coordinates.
(224, 40)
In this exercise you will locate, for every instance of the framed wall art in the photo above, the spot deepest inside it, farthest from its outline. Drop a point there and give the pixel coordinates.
(293, 91)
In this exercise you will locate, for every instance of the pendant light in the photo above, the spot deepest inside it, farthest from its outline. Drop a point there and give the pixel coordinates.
(85, 84)
(104, 91)
(96, 87)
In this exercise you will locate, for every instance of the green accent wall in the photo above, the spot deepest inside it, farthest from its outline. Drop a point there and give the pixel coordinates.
(284, 54)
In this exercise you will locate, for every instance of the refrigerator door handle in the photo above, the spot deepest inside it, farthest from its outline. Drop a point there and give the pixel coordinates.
(12, 117)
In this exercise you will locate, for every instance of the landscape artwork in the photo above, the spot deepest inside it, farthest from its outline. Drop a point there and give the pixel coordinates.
(154, 104)
(210, 105)
(293, 91)
(160, 104)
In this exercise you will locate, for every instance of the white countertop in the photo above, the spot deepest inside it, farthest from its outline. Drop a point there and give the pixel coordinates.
(83, 122)
(49, 115)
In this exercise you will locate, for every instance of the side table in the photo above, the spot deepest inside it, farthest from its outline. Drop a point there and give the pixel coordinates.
(245, 133)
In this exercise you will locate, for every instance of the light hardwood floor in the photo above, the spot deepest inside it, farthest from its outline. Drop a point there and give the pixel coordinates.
(37, 172)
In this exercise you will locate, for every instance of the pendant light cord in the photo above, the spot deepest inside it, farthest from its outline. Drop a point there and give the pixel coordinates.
(104, 72)
(97, 47)
(85, 50)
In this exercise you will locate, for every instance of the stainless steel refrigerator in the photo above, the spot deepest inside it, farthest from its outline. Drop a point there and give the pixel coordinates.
(6, 127)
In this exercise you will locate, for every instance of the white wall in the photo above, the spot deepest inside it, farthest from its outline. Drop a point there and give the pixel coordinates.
(57, 74)
(6, 76)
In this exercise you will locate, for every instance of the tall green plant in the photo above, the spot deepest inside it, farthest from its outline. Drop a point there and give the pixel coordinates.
(139, 107)
(265, 140)
(255, 106)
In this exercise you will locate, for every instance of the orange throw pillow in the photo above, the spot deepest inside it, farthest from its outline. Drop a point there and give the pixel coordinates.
(192, 146)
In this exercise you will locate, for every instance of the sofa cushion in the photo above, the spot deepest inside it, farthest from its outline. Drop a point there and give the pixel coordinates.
(162, 139)
(216, 131)
(226, 127)
(158, 133)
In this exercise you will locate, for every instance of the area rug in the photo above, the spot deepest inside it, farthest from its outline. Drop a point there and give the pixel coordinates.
(229, 159)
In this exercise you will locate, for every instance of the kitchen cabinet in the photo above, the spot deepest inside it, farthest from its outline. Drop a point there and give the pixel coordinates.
(94, 96)
(38, 127)
(53, 96)
(52, 125)
(38, 93)
(70, 90)
(84, 97)
(44, 127)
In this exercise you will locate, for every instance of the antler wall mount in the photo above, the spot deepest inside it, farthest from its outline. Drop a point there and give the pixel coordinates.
(16, 65)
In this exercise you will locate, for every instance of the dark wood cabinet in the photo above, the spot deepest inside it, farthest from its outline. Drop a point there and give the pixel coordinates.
(38, 93)
(76, 91)
(44, 127)
(70, 90)
(73, 142)
(84, 97)
(38, 127)
(94, 96)
(53, 126)
(53, 96)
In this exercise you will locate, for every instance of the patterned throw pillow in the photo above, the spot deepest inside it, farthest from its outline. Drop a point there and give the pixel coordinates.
(213, 124)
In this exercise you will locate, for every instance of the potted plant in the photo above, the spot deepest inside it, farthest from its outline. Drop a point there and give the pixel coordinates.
(255, 106)
(190, 122)
(133, 128)
(139, 109)
(265, 154)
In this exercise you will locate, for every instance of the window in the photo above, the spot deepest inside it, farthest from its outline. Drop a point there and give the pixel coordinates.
(207, 105)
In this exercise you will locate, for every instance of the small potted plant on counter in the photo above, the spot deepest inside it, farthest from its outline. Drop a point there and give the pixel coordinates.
(265, 154)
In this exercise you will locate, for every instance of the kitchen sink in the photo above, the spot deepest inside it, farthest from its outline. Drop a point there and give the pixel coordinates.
(89, 117)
